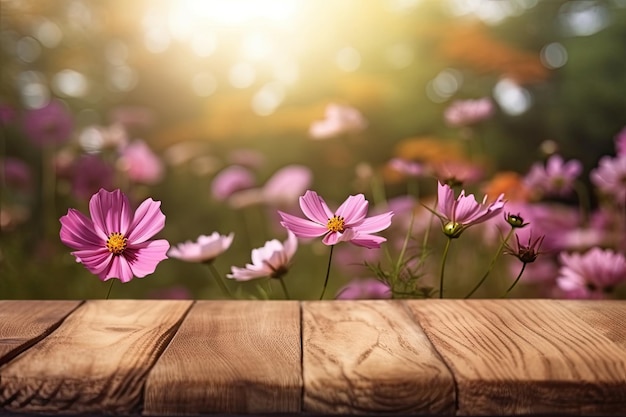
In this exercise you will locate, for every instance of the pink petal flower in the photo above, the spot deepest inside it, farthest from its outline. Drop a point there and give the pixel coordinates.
(49, 125)
(593, 274)
(556, 178)
(204, 249)
(457, 215)
(347, 224)
(468, 112)
(115, 243)
(230, 180)
(141, 164)
(271, 260)
(338, 120)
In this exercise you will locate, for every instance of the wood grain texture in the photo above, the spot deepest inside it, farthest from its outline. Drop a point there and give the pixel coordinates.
(512, 357)
(95, 362)
(368, 357)
(233, 357)
(24, 323)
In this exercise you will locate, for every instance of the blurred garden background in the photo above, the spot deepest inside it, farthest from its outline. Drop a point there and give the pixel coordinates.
(228, 110)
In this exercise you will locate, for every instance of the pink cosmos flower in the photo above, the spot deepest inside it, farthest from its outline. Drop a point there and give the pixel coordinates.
(609, 177)
(141, 164)
(467, 112)
(557, 177)
(89, 173)
(593, 274)
(15, 174)
(364, 289)
(272, 260)
(204, 249)
(48, 125)
(338, 120)
(347, 224)
(115, 241)
(230, 180)
(458, 214)
(406, 167)
(282, 189)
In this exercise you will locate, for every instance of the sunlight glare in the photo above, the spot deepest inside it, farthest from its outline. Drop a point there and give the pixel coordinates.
(232, 12)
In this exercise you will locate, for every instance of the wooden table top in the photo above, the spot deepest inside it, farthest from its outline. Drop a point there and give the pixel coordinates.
(380, 357)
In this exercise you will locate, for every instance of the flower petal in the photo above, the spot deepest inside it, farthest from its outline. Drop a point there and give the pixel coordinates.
(301, 227)
(315, 208)
(368, 241)
(375, 223)
(445, 200)
(97, 261)
(244, 274)
(110, 211)
(148, 221)
(290, 245)
(78, 232)
(118, 268)
(144, 257)
(353, 210)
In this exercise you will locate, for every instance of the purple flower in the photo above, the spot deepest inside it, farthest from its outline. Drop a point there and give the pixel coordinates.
(406, 167)
(347, 224)
(89, 174)
(204, 249)
(115, 242)
(467, 112)
(230, 180)
(525, 253)
(141, 164)
(48, 125)
(272, 260)
(364, 289)
(610, 177)
(458, 214)
(557, 177)
(16, 174)
(281, 190)
(338, 120)
(593, 274)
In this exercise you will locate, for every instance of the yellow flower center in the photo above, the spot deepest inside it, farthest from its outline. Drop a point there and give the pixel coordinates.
(116, 243)
(336, 224)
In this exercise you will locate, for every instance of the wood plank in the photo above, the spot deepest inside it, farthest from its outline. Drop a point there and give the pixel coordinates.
(232, 357)
(95, 362)
(368, 357)
(24, 323)
(526, 357)
(607, 317)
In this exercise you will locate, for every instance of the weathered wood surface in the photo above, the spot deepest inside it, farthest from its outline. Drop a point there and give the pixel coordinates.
(24, 323)
(233, 357)
(95, 362)
(370, 357)
(433, 357)
(530, 356)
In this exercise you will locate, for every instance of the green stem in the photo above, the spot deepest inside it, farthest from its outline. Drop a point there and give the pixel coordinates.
(492, 264)
(110, 287)
(443, 266)
(330, 258)
(218, 278)
(282, 284)
(427, 233)
(516, 280)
